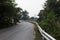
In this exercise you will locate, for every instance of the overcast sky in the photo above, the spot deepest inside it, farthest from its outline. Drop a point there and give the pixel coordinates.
(32, 6)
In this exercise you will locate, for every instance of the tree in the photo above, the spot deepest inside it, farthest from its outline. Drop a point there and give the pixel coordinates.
(17, 15)
(34, 18)
(8, 11)
(49, 17)
(24, 15)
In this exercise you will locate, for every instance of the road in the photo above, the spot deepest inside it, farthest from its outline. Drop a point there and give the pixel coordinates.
(21, 31)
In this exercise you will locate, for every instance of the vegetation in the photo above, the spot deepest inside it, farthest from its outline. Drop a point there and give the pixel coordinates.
(24, 15)
(37, 33)
(8, 13)
(50, 18)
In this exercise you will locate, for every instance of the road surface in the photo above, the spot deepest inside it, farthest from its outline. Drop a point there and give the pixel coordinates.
(21, 31)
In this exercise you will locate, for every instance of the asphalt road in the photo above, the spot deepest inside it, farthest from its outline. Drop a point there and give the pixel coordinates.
(21, 31)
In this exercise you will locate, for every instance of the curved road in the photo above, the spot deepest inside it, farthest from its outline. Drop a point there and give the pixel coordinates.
(21, 31)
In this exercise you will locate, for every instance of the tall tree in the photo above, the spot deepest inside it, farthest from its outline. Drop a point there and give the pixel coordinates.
(8, 11)
(49, 17)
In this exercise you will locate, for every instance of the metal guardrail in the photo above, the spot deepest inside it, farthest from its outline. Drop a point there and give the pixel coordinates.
(44, 34)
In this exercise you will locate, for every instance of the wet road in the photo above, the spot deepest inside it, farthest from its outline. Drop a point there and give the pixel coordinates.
(21, 31)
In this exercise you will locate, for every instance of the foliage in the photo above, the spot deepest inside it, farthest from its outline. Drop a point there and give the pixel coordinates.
(37, 33)
(8, 11)
(24, 15)
(33, 18)
(49, 17)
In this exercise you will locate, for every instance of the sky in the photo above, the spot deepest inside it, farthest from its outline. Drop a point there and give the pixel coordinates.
(32, 6)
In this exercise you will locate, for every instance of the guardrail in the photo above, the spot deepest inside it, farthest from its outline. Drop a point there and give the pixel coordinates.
(44, 34)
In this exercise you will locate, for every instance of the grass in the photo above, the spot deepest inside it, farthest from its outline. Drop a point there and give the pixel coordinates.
(37, 33)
